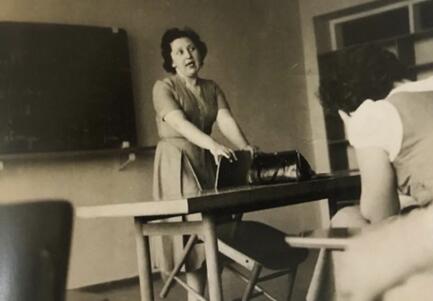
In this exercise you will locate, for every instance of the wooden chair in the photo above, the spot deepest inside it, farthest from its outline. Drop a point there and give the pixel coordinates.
(250, 246)
(34, 250)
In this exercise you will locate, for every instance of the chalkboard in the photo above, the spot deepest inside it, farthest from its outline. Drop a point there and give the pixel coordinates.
(64, 88)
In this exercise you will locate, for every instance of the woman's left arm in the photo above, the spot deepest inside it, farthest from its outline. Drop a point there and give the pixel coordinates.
(228, 125)
(230, 129)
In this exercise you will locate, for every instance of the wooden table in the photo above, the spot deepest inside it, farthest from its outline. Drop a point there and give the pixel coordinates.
(211, 204)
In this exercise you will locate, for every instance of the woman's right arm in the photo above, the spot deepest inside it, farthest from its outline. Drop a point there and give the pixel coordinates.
(176, 119)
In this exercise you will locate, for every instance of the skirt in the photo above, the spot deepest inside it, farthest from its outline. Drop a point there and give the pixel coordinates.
(180, 169)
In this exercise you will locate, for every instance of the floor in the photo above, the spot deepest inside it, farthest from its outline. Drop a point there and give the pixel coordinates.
(128, 290)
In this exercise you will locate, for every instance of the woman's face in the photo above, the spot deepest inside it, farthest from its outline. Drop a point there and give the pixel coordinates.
(185, 57)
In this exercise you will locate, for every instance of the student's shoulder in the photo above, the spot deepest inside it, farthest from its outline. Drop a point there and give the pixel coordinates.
(372, 110)
(400, 96)
(403, 97)
(369, 117)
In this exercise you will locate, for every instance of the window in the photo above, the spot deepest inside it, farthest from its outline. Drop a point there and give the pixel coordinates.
(371, 28)
(423, 15)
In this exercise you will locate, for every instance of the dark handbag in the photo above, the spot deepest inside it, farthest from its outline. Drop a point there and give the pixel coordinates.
(279, 167)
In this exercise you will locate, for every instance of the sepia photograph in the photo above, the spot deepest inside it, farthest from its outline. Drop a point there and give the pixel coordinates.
(211, 150)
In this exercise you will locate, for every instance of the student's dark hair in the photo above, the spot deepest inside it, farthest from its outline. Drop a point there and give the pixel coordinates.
(357, 74)
(175, 33)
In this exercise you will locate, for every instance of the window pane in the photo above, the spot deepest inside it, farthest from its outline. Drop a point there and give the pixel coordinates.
(424, 15)
(375, 27)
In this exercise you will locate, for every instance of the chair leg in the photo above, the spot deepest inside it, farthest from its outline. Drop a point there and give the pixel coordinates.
(291, 277)
(257, 268)
(167, 285)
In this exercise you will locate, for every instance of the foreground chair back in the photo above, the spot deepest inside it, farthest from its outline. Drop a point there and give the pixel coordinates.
(34, 250)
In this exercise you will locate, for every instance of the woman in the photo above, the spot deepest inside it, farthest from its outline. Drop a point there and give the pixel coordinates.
(187, 107)
(389, 122)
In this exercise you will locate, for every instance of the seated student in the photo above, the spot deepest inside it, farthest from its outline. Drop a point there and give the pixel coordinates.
(388, 121)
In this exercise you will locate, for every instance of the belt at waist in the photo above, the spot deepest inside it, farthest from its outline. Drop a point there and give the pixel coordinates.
(180, 143)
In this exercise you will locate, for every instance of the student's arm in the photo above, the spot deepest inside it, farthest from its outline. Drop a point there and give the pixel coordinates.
(176, 119)
(379, 198)
(385, 255)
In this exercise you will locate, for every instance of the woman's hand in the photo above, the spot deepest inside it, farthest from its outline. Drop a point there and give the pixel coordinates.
(218, 150)
(251, 148)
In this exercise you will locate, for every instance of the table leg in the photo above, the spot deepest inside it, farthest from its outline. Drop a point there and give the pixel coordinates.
(211, 247)
(143, 261)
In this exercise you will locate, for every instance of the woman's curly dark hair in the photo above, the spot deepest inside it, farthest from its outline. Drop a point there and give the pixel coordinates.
(175, 33)
(357, 74)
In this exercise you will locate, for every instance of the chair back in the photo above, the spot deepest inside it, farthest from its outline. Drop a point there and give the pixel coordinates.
(235, 173)
(34, 250)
